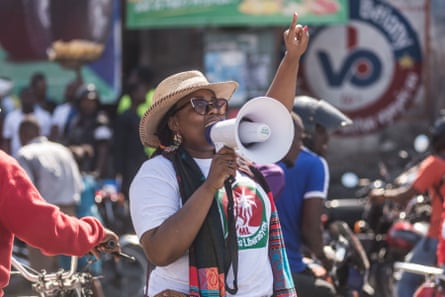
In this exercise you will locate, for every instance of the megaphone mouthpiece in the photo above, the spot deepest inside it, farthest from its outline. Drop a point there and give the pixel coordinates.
(250, 132)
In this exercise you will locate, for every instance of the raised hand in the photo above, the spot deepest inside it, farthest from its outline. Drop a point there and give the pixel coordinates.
(296, 38)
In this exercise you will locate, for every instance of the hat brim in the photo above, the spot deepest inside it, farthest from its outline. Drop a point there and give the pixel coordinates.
(151, 118)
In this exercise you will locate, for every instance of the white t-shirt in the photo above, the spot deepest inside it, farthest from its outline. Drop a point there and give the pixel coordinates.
(53, 170)
(60, 116)
(154, 196)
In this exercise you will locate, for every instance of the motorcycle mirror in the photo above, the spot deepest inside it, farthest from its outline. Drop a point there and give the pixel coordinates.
(403, 154)
(421, 143)
(349, 179)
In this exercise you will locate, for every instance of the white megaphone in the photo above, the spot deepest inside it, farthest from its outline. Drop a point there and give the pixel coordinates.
(261, 132)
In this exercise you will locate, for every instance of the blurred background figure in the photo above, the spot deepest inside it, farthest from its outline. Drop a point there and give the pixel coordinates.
(29, 106)
(7, 102)
(53, 170)
(320, 119)
(88, 137)
(141, 75)
(89, 134)
(301, 203)
(129, 153)
(64, 112)
(39, 85)
(429, 179)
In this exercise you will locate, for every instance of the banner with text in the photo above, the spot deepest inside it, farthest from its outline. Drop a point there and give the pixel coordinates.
(175, 13)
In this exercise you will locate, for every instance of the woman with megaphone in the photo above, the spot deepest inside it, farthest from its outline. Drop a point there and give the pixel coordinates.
(205, 236)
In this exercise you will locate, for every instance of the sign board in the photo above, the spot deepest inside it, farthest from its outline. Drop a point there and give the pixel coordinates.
(143, 14)
(243, 57)
(371, 68)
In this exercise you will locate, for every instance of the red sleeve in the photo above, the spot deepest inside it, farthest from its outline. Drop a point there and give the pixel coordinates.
(27, 215)
(430, 173)
(429, 176)
(441, 251)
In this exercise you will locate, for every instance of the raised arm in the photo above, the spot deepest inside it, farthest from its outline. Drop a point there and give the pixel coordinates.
(284, 84)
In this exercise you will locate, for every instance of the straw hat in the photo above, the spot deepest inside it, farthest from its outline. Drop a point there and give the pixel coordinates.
(170, 91)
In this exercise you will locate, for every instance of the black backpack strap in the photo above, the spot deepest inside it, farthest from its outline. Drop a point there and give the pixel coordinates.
(259, 178)
(248, 168)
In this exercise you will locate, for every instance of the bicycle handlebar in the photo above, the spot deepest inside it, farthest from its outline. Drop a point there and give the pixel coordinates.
(111, 244)
(419, 269)
(33, 277)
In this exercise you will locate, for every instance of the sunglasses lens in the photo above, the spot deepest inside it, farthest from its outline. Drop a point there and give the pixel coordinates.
(200, 105)
(220, 102)
(203, 106)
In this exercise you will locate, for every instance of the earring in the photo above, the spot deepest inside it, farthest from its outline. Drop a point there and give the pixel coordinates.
(177, 141)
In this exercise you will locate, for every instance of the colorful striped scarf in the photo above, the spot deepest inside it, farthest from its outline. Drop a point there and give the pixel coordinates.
(207, 253)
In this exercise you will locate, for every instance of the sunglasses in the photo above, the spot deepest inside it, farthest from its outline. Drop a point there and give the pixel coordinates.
(203, 106)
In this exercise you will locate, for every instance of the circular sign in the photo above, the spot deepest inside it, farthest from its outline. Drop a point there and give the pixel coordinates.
(370, 68)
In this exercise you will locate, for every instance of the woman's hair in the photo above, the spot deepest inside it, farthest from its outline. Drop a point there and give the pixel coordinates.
(164, 133)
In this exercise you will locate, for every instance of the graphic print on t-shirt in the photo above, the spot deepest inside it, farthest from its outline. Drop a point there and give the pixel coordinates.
(252, 212)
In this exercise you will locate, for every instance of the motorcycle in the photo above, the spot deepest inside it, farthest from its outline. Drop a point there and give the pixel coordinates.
(122, 278)
(350, 265)
(434, 285)
(387, 231)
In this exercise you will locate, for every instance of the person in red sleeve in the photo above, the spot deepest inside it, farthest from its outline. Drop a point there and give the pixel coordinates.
(25, 214)
(439, 130)
(429, 179)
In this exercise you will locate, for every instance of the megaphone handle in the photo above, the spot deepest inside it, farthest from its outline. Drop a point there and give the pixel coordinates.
(218, 146)
(230, 180)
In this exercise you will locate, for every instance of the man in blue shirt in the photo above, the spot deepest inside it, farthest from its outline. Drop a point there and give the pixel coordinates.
(300, 204)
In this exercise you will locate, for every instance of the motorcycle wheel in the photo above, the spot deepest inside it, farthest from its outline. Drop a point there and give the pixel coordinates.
(134, 273)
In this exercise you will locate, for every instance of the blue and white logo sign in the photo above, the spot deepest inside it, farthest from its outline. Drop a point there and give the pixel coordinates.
(370, 68)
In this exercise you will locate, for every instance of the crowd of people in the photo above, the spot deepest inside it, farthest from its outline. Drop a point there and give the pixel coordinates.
(210, 222)
(94, 134)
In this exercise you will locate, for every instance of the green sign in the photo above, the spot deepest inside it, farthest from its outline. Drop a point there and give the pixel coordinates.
(175, 13)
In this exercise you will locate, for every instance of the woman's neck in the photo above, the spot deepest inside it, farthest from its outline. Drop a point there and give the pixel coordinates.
(200, 153)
